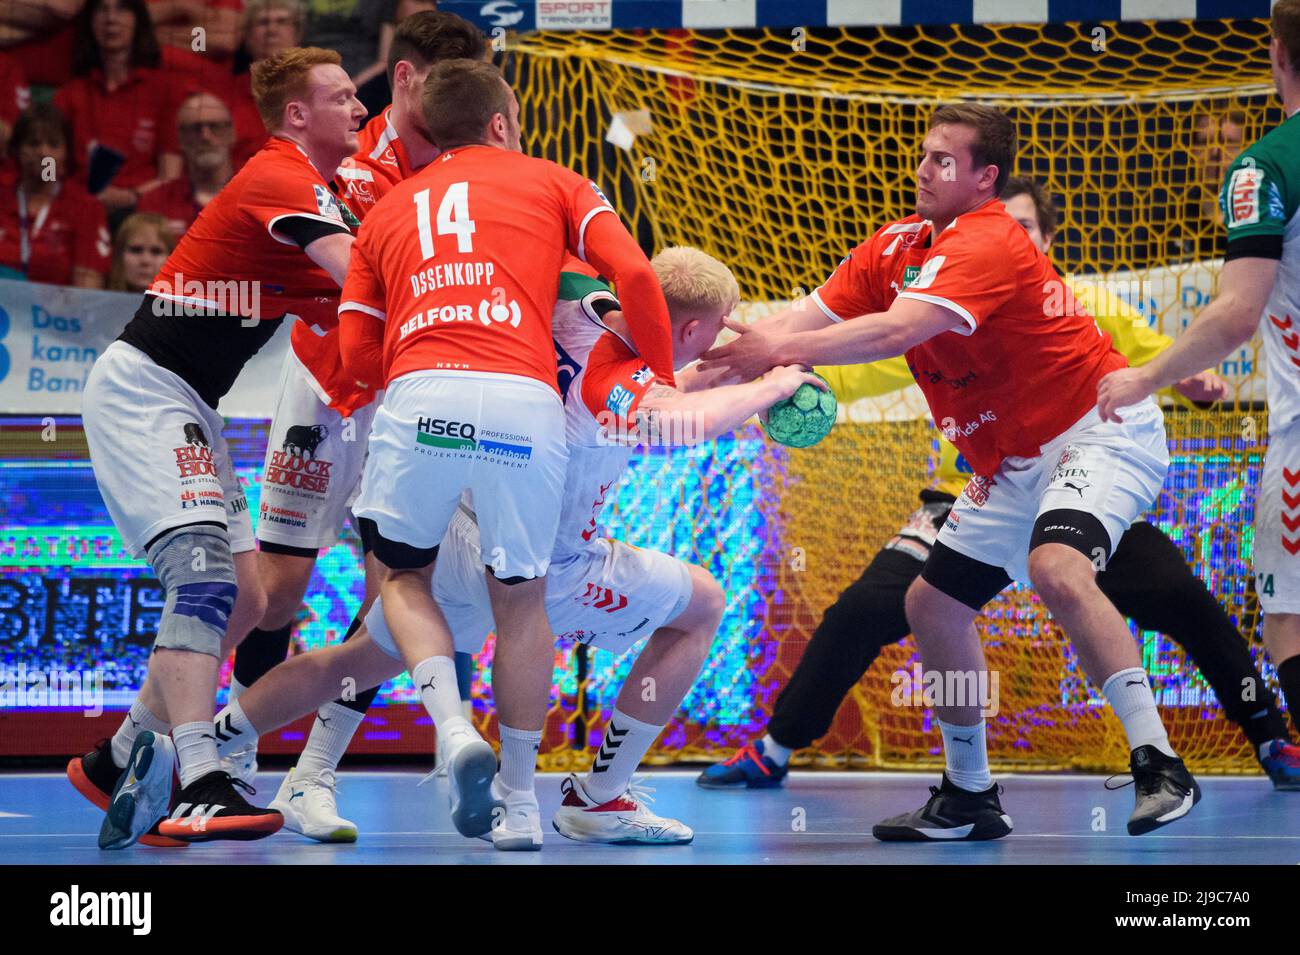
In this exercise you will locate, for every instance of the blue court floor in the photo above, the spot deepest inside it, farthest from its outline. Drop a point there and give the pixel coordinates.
(821, 817)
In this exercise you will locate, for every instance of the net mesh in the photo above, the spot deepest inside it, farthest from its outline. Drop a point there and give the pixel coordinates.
(778, 152)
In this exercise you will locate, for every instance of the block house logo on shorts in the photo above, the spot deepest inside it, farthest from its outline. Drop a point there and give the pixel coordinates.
(295, 464)
(194, 459)
(977, 489)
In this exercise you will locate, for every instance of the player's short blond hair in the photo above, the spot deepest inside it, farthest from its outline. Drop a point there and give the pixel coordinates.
(694, 282)
(284, 77)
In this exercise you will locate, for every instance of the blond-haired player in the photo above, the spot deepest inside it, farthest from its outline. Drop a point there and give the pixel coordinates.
(601, 592)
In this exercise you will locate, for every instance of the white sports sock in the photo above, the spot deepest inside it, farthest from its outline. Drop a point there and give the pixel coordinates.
(625, 743)
(196, 751)
(467, 707)
(966, 757)
(232, 729)
(331, 734)
(518, 756)
(249, 739)
(138, 718)
(1129, 695)
(435, 680)
(775, 751)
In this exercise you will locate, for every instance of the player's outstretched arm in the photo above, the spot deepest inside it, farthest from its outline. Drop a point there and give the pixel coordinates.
(613, 251)
(361, 320)
(1222, 326)
(908, 322)
(667, 416)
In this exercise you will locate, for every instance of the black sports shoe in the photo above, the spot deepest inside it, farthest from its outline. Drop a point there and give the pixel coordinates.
(952, 814)
(212, 808)
(1165, 790)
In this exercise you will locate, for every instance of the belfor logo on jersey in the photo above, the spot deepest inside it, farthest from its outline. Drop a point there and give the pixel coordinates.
(500, 311)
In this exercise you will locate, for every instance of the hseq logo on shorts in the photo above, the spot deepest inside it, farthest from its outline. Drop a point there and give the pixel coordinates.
(447, 434)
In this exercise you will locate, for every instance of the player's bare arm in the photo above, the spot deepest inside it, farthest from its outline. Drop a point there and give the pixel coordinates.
(331, 253)
(714, 411)
(908, 322)
(1224, 325)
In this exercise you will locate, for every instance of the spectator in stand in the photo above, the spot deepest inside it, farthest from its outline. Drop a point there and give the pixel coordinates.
(51, 229)
(142, 244)
(37, 36)
(120, 104)
(351, 27)
(175, 21)
(373, 87)
(206, 134)
(268, 26)
(15, 96)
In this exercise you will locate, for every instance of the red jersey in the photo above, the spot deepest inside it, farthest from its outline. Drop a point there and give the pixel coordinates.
(363, 179)
(138, 120)
(1024, 364)
(15, 94)
(238, 259)
(462, 262)
(174, 201)
(71, 232)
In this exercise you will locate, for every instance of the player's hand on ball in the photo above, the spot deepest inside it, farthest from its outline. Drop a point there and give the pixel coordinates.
(1120, 389)
(1205, 388)
(746, 357)
(788, 378)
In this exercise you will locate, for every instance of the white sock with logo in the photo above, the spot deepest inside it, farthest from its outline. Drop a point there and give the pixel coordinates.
(519, 757)
(138, 718)
(434, 679)
(331, 734)
(232, 729)
(966, 757)
(196, 751)
(621, 751)
(1129, 694)
(249, 738)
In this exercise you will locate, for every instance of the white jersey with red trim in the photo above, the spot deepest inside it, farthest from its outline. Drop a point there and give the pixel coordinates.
(602, 381)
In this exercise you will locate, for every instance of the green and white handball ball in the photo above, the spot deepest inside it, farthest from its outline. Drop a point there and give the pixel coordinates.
(803, 419)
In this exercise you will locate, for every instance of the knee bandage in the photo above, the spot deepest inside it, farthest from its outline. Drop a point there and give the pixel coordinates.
(197, 572)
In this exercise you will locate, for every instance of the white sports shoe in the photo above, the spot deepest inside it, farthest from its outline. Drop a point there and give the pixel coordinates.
(143, 792)
(519, 827)
(242, 764)
(625, 820)
(307, 804)
(471, 765)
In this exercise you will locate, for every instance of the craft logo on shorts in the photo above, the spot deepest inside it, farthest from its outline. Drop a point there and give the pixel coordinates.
(295, 465)
(195, 458)
(977, 489)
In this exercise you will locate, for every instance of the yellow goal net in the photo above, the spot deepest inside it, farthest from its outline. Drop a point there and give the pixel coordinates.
(778, 151)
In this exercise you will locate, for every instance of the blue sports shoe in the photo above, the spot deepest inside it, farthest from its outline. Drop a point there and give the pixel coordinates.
(1283, 765)
(748, 768)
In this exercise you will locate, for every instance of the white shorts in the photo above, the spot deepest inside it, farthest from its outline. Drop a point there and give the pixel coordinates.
(313, 464)
(1111, 471)
(1277, 524)
(158, 454)
(500, 437)
(610, 596)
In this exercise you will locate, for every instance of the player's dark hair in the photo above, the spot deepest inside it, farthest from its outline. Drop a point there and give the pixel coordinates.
(145, 51)
(38, 119)
(995, 142)
(431, 36)
(1044, 208)
(284, 77)
(1286, 27)
(460, 98)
